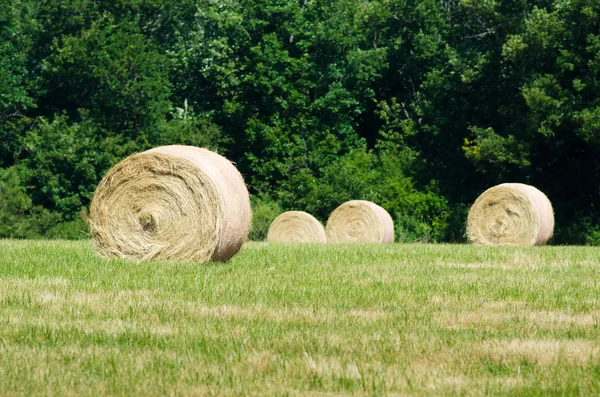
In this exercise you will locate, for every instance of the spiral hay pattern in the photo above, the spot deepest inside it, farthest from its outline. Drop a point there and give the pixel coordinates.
(511, 214)
(296, 227)
(360, 221)
(171, 202)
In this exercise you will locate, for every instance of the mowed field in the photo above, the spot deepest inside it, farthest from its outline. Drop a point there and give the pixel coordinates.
(301, 320)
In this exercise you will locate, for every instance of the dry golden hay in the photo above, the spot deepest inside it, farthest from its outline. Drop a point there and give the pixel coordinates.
(511, 214)
(296, 227)
(360, 221)
(171, 202)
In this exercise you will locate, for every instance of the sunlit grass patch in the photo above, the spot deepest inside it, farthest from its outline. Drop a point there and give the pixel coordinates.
(301, 319)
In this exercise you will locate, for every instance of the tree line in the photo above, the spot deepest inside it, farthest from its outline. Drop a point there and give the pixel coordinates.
(418, 105)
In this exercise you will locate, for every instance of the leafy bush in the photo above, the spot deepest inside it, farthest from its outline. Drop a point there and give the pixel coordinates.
(410, 229)
(186, 128)
(18, 217)
(264, 211)
(77, 229)
(15, 204)
(64, 162)
(583, 229)
(420, 214)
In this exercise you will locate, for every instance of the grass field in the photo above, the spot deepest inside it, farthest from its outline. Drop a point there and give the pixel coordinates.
(304, 319)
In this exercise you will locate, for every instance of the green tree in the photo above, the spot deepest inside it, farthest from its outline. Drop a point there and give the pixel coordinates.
(64, 161)
(19, 218)
(16, 96)
(112, 72)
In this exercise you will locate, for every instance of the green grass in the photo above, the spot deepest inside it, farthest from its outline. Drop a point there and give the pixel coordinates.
(302, 319)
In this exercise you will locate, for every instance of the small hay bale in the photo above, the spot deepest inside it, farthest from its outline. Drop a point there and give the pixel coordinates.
(296, 227)
(171, 202)
(360, 221)
(511, 214)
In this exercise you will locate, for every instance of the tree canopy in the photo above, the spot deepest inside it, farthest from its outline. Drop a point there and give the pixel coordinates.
(417, 105)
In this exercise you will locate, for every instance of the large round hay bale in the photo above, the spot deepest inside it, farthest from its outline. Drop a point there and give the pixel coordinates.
(511, 214)
(360, 221)
(296, 227)
(171, 202)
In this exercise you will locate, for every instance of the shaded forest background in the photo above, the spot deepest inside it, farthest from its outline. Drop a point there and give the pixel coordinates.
(416, 105)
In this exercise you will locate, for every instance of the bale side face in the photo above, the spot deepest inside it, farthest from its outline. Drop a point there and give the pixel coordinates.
(510, 214)
(360, 221)
(296, 227)
(170, 203)
(543, 208)
(235, 200)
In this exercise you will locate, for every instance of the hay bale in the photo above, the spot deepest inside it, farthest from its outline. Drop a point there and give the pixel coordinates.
(171, 202)
(511, 214)
(296, 227)
(360, 221)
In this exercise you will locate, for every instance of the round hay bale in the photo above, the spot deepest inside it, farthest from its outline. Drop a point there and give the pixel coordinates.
(511, 214)
(360, 221)
(171, 202)
(296, 227)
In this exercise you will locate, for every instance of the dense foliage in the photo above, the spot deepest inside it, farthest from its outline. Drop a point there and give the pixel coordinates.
(416, 105)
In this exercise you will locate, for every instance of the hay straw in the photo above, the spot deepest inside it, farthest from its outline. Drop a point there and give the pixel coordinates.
(360, 221)
(296, 227)
(171, 202)
(511, 214)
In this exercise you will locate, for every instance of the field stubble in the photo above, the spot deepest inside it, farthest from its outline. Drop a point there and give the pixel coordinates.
(301, 319)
